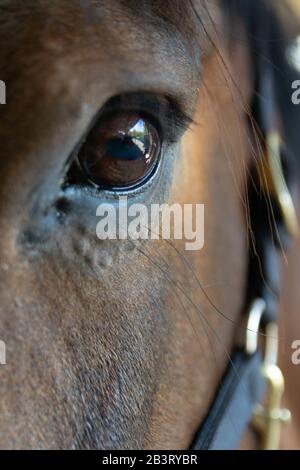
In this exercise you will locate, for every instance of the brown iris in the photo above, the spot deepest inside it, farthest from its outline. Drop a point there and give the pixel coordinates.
(120, 151)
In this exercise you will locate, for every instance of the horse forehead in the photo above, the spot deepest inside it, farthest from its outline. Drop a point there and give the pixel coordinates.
(71, 26)
(59, 48)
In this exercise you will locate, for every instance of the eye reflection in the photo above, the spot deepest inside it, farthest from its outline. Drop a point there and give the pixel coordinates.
(121, 151)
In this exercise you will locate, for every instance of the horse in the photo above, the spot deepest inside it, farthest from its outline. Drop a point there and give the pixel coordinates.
(120, 343)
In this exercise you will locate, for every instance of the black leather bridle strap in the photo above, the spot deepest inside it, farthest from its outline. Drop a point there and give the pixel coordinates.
(241, 389)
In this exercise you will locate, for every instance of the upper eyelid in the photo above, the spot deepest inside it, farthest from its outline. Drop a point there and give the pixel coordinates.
(172, 119)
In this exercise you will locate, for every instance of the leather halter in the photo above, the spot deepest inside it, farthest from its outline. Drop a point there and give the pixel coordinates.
(253, 373)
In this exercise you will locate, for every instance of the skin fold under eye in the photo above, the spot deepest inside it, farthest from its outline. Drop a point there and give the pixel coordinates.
(120, 151)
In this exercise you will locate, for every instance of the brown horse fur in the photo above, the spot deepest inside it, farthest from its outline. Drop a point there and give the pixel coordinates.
(103, 349)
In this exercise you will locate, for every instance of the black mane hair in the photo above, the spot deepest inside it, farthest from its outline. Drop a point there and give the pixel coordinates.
(270, 33)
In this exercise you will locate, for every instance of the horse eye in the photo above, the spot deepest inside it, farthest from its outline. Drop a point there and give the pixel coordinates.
(121, 151)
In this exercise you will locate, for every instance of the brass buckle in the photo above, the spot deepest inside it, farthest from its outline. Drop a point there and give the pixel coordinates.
(267, 420)
(274, 181)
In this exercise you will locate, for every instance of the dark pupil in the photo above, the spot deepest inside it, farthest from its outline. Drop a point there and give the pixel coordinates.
(120, 151)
